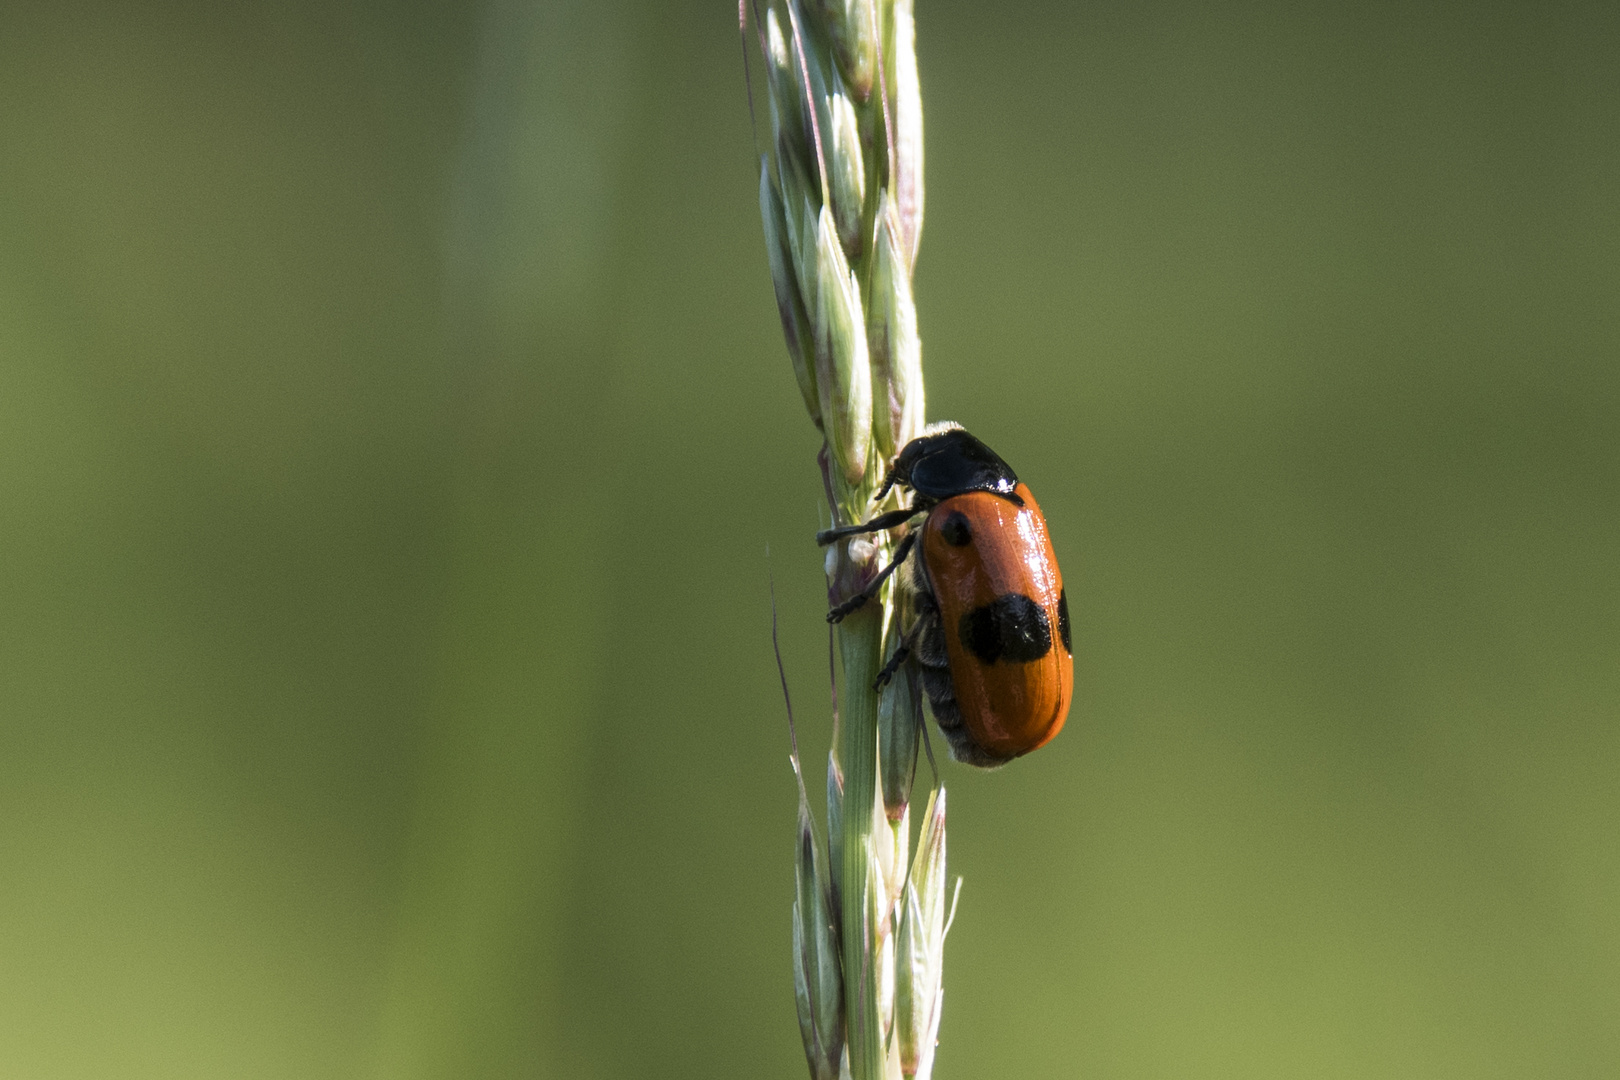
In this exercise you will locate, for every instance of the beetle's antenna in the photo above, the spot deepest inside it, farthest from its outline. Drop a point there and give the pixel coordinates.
(889, 479)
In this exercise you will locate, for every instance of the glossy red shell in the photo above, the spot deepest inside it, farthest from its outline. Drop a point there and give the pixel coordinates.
(1012, 701)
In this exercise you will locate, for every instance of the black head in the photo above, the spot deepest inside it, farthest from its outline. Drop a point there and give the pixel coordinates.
(952, 462)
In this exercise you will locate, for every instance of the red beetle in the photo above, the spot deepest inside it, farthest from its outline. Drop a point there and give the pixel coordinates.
(990, 640)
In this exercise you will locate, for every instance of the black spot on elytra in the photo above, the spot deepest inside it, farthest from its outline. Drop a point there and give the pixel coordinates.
(955, 529)
(1011, 627)
(1063, 620)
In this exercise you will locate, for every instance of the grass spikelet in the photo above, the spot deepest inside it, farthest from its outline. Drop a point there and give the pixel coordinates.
(841, 198)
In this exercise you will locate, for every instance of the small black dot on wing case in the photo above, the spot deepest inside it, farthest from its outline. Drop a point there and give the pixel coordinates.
(956, 530)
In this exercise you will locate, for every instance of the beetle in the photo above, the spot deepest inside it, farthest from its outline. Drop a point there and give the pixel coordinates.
(990, 635)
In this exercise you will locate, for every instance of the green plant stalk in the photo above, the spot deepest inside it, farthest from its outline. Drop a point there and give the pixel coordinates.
(873, 849)
(860, 640)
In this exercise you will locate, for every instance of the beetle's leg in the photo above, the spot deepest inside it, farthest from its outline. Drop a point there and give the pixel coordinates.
(892, 666)
(896, 660)
(877, 524)
(855, 602)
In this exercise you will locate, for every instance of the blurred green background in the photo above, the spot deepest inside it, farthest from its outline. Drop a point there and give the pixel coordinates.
(394, 421)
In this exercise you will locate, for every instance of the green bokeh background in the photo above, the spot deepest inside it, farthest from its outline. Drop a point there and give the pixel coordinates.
(394, 422)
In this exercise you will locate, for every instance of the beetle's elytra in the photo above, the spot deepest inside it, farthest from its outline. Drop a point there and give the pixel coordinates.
(990, 632)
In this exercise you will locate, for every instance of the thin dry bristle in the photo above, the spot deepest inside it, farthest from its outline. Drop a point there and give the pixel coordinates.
(781, 672)
(748, 75)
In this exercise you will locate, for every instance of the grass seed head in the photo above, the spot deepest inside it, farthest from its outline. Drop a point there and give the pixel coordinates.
(835, 823)
(901, 59)
(799, 211)
(877, 969)
(892, 341)
(841, 196)
(817, 979)
(899, 731)
(789, 298)
(846, 172)
(851, 26)
(919, 982)
(883, 962)
(790, 120)
(843, 368)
